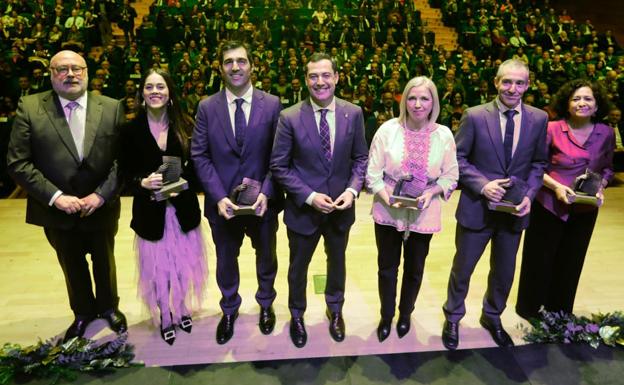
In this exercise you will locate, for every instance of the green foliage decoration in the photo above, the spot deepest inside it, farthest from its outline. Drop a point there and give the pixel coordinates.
(561, 327)
(58, 360)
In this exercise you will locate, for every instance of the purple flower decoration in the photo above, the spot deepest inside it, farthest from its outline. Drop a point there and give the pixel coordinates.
(591, 328)
(572, 328)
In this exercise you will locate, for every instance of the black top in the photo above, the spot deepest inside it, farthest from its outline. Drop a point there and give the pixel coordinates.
(140, 156)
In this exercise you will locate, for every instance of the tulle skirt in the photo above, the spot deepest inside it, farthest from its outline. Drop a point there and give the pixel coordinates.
(172, 270)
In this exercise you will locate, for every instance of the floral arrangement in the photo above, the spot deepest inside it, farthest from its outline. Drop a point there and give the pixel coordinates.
(58, 360)
(561, 327)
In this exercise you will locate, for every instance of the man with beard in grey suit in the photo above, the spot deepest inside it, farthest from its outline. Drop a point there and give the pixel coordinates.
(62, 152)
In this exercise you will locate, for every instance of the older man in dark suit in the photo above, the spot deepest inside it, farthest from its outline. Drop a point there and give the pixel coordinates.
(232, 141)
(63, 153)
(496, 141)
(319, 157)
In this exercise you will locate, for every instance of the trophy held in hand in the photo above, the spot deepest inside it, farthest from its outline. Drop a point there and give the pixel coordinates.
(586, 186)
(245, 196)
(171, 169)
(407, 190)
(515, 191)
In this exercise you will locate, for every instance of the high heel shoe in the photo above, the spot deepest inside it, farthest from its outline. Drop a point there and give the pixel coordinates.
(383, 330)
(168, 334)
(403, 325)
(186, 323)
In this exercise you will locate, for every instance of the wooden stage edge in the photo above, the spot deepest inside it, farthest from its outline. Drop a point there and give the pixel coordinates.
(34, 300)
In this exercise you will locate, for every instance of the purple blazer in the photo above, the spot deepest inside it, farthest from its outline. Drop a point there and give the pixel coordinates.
(299, 166)
(219, 163)
(480, 155)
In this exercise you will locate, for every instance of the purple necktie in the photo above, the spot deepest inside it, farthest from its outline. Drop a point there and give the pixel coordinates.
(240, 124)
(509, 134)
(75, 127)
(324, 133)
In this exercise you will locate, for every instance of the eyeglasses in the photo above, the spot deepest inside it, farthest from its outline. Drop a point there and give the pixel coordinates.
(64, 70)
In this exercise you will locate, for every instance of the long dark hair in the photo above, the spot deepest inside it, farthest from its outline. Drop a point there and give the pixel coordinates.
(180, 122)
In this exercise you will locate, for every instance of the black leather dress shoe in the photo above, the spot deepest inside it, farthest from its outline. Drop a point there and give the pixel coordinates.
(186, 323)
(225, 329)
(116, 320)
(77, 328)
(499, 335)
(336, 325)
(383, 330)
(403, 325)
(450, 335)
(266, 321)
(298, 333)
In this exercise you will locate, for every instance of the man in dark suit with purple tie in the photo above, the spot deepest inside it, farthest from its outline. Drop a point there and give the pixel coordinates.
(233, 137)
(319, 157)
(62, 152)
(495, 142)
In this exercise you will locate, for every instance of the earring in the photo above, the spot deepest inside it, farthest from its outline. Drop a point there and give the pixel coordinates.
(170, 102)
(143, 103)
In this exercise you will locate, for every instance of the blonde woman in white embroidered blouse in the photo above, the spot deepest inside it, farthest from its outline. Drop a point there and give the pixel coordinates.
(412, 146)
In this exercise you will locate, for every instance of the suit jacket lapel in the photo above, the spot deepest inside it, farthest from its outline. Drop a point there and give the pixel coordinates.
(223, 116)
(308, 122)
(257, 108)
(94, 115)
(525, 126)
(342, 125)
(492, 119)
(54, 110)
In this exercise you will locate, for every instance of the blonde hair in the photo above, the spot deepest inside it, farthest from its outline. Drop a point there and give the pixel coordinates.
(420, 81)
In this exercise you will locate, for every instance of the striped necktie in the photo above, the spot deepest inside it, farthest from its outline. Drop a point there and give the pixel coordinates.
(324, 133)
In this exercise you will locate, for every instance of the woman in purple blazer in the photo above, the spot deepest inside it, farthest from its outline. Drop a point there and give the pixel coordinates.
(556, 242)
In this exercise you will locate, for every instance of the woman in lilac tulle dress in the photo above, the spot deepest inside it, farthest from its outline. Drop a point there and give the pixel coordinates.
(169, 241)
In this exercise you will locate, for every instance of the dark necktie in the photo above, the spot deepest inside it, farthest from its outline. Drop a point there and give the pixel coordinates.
(324, 133)
(240, 124)
(509, 134)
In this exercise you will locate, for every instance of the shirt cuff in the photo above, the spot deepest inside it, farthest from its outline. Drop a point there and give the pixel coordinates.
(310, 198)
(355, 193)
(54, 197)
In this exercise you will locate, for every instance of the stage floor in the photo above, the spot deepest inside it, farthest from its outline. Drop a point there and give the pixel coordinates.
(34, 300)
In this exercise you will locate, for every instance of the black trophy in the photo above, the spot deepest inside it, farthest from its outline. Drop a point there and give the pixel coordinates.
(407, 190)
(245, 195)
(515, 192)
(171, 169)
(586, 186)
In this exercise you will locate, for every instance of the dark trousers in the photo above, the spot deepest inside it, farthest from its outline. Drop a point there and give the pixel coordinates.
(618, 161)
(301, 250)
(552, 260)
(71, 248)
(470, 245)
(228, 237)
(415, 249)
